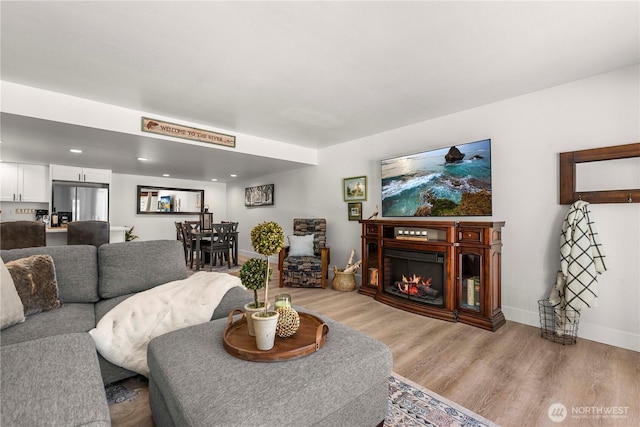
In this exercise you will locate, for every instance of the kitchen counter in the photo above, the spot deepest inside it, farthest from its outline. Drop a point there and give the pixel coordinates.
(57, 236)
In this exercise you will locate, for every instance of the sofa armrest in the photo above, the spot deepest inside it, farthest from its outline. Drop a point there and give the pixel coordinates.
(235, 297)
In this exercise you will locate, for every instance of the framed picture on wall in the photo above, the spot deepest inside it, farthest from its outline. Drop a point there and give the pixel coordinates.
(261, 195)
(355, 211)
(355, 188)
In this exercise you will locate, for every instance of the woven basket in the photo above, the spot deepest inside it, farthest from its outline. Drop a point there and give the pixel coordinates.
(344, 282)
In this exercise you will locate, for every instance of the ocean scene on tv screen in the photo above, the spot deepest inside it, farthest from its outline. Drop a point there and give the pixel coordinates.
(451, 181)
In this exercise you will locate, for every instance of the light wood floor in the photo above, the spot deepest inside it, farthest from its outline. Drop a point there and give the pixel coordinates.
(511, 376)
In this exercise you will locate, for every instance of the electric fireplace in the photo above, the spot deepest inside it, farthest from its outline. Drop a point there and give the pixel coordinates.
(447, 270)
(418, 276)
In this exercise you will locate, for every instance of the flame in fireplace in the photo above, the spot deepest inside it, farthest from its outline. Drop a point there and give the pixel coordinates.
(413, 285)
(417, 280)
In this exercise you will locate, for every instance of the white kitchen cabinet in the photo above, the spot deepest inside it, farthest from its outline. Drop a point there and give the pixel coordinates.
(8, 182)
(77, 174)
(24, 183)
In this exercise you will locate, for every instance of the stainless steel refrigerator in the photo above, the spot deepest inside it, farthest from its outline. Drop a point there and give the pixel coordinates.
(86, 202)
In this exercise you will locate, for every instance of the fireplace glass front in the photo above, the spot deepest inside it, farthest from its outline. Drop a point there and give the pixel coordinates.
(416, 276)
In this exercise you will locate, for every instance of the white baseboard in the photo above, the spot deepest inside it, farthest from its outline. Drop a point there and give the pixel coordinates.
(587, 331)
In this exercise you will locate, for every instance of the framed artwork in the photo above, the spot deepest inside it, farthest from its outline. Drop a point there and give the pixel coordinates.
(355, 188)
(355, 211)
(261, 195)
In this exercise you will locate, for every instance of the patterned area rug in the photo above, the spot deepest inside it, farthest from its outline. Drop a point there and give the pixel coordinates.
(118, 393)
(125, 390)
(409, 404)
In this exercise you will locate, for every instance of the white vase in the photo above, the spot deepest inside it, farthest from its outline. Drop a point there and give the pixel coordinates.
(265, 329)
(249, 311)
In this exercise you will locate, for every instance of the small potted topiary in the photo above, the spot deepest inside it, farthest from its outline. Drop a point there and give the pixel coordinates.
(252, 276)
(267, 239)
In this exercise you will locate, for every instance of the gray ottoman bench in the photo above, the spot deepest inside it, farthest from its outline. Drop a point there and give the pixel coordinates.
(195, 382)
(53, 381)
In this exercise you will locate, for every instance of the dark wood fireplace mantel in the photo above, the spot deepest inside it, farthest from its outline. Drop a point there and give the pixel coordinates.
(470, 292)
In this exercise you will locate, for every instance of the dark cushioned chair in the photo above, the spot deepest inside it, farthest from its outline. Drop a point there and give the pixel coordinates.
(233, 241)
(183, 231)
(94, 233)
(22, 234)
(220, 245)
(306, 271)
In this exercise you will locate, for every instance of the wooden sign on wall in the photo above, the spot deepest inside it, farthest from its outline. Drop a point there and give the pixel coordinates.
(187, 132)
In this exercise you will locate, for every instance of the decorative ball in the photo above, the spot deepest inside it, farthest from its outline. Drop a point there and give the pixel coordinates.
(288, 322)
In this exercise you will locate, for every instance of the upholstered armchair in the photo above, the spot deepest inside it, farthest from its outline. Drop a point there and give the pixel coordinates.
(304, 262)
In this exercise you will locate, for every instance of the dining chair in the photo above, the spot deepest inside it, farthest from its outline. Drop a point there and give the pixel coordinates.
(188, 230)
(233, 240)
(188, 242)
(95, 233)
(220, 244)
(180, 236)
(22, 234)
(193, 225)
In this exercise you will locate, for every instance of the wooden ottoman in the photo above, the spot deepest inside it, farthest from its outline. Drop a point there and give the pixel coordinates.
(195, 382)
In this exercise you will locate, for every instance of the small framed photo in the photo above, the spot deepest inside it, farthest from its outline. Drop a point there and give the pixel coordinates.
(355, 188)
(355, 211)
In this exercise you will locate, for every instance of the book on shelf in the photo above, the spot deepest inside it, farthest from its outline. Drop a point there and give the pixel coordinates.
(373, 277)
(476, 290)
(165, 204)
(470, 292)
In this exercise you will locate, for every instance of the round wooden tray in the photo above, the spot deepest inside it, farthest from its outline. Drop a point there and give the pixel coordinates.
(309, 338)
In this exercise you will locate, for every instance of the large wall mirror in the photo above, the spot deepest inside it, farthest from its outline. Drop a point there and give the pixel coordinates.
(165, 200)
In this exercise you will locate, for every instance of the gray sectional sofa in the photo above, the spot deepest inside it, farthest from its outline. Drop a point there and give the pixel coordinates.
(49, 365)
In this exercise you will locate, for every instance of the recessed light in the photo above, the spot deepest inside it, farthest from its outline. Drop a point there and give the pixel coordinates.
(142, 159)
(165, 174)
(75, 150)
(214, 179)
(233, 175)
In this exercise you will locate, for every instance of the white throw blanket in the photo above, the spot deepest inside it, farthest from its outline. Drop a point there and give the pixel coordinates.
(123, 334)
(581, 260)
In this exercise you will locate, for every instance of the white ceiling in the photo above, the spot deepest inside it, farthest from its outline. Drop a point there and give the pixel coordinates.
(307, 73)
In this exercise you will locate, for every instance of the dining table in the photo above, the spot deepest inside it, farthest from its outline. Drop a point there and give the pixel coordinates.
(199, 234)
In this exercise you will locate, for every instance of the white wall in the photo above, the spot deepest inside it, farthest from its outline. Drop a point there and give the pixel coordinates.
(527, 134)
(33, 102)
(9, 210)
(152, 227)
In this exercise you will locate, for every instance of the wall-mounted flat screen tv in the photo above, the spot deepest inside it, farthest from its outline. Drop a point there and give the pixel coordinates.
(450, 181)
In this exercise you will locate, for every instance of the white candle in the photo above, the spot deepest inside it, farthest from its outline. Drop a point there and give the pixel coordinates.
(283, 300)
